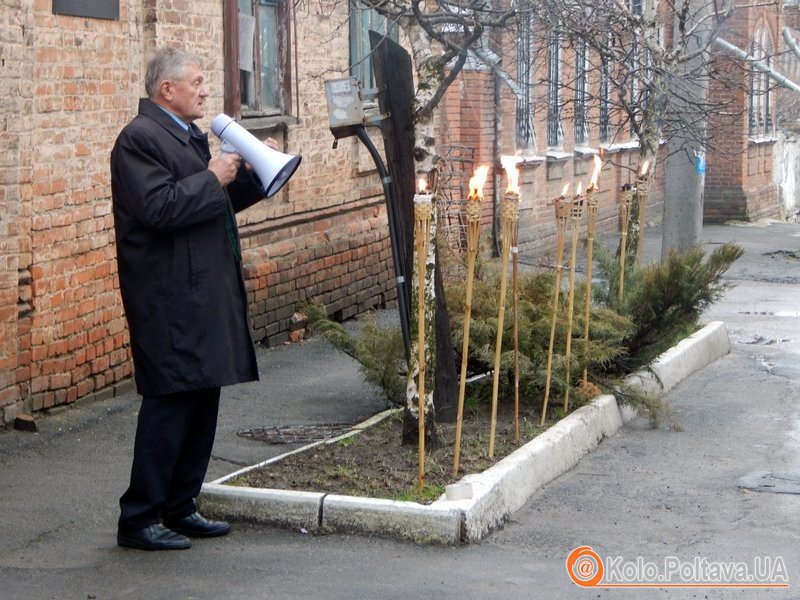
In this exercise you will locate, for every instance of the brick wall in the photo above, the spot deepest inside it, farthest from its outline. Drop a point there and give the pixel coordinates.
(739, 168)
(467, 119)
(69, 85)
(15, 203)
(478, 113)
(71, 92)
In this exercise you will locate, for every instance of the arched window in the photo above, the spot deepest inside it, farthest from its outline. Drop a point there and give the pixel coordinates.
(760, 122)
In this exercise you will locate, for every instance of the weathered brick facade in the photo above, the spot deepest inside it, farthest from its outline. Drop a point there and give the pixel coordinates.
(478, 113)
(739, 182)
(69, 84)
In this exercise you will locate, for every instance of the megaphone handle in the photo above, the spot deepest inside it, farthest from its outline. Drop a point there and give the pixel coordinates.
(228, 148)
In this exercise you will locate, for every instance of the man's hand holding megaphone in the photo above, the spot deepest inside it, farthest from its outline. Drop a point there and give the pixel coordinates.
(225, 165)
(273, 168)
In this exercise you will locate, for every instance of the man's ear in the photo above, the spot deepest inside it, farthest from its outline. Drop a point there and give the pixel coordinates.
(165, 88)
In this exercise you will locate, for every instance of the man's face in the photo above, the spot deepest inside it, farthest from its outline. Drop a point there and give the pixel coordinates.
(186, 96)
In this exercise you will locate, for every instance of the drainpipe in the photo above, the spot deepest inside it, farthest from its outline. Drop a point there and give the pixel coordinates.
(791, 42)
(496, 168)
(758, 65)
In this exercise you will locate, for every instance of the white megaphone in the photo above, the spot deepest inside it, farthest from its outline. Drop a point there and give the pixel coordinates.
(272, 167)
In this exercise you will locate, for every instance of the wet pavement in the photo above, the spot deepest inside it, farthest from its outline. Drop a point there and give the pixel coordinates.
(643, 494)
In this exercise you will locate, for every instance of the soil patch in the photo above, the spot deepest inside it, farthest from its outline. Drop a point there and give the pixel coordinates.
(375, 464)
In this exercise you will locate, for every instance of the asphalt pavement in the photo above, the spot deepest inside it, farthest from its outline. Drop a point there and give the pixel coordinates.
(645, 496)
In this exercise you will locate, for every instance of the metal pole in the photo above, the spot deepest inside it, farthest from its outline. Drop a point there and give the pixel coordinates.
(394, 237)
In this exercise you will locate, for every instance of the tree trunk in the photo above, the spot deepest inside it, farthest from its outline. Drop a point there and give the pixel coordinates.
(393, 73)
(423, 320)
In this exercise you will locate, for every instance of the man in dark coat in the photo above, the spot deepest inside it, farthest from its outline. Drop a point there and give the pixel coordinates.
(183, 291)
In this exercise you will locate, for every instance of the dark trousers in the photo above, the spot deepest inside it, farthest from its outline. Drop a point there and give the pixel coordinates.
(174, 437)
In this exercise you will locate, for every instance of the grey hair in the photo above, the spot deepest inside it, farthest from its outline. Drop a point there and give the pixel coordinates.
(167, 63)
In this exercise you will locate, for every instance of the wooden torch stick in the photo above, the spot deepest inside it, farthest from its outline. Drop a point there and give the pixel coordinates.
(512, 193)
(562, 213)
(591, 220)
(625, 197)
(509, 218)
(515, 295)
(473, 211)
(422, 222)
(642, 188)
(576, 214)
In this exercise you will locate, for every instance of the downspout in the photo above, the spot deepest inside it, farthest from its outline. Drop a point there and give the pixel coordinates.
(496, 167)
(758, 65)
(791, 42)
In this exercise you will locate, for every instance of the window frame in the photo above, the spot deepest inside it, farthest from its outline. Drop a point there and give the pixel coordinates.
(524, 129)
(360, 53)
(555, 131)
(581, 110)
(760, 122)
(233, 86)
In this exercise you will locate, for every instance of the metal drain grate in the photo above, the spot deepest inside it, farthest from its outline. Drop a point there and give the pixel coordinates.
(295, 434)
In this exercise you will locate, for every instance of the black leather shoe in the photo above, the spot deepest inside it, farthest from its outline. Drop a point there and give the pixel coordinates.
(153, 537)
(196, 525)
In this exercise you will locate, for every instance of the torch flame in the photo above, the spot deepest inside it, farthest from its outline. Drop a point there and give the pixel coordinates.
(598, 166)
(512, 172)
(564, 190)
(645, 166)
(578, 189)
(422, 185)
(477, 181)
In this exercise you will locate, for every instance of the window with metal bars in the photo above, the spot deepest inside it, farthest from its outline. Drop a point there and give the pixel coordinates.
(555, 133)
(581, 94)
(760, 122)
(525, 137)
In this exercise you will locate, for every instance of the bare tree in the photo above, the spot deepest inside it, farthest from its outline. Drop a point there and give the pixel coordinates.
(655, 64)
(649, 66)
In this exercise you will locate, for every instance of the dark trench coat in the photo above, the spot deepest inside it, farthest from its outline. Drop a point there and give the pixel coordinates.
(180, 277)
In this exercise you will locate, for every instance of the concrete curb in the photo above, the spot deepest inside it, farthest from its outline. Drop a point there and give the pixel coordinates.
(433, 523)
(496, 493)
(506, 486)
(687, 356)
(279, 508)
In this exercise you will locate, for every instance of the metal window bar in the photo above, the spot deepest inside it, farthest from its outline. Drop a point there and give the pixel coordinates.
(751, 114)
(634, 91)
(581, 125)
(768, 125)
(553, 89)
(605, 95)
(605, 105)
(524, 105)
(645, 89)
